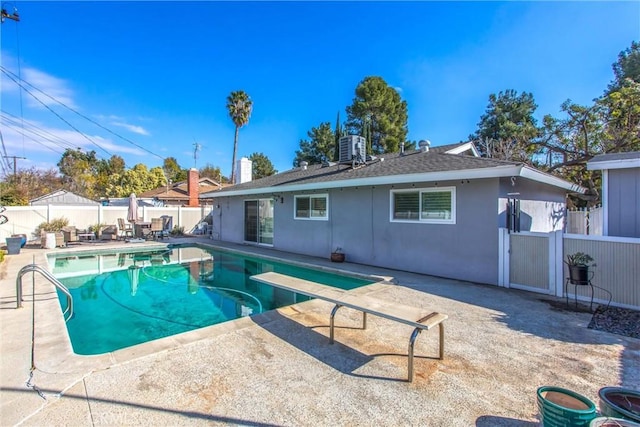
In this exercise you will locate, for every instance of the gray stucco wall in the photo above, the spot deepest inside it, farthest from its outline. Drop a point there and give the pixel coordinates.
(623, 202)
(359, 224)
(542, 206)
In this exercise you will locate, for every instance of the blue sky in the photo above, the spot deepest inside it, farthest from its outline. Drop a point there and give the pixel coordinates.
(156, 74)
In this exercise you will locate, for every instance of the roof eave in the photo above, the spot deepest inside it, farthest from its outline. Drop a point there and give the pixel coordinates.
(614, 164)
(479, 173)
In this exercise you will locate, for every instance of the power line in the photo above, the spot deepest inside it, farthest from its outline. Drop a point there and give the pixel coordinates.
(14, 122)
(51, 110)
(87, 118)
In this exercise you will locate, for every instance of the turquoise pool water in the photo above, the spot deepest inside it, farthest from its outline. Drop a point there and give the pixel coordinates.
(127, 298)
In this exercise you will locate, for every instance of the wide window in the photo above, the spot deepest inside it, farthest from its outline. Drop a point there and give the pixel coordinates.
(311, 207)
(429, 205)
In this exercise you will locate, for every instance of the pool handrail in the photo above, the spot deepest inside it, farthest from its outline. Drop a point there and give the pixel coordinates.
(36, 268)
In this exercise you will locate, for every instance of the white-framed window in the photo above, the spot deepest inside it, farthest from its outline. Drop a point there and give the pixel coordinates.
(313, 206)
(435, 205)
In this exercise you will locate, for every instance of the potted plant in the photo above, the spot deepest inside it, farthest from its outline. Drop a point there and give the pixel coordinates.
(579, 264)
(337, 255)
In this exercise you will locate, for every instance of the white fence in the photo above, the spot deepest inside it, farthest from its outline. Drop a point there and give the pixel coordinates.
(535, 262)
(25, 219)
(585, 221)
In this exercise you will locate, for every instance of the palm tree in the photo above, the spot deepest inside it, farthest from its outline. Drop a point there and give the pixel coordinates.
(239, 105)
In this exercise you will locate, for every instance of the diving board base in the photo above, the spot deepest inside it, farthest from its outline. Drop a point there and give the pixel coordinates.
(418, 318)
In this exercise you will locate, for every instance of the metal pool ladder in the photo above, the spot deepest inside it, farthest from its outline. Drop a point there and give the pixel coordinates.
(53, 280)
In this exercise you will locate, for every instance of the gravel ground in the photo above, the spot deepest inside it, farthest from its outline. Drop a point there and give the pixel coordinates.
(615, 320)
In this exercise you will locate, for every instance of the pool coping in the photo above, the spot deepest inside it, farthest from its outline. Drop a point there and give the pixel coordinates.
(59, 342)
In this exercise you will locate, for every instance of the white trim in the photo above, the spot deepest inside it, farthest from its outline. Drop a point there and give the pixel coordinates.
(614, 164)
(596, 238)
(527, 288)
(503, 257)
(605, 202)
(421, 190)
(312, 196)
(545, 178)
(467, 146)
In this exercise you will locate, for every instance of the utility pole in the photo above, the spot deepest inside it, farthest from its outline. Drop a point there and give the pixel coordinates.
(5, 15)
(15, 158)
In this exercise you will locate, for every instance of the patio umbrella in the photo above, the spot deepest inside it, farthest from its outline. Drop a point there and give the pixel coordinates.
(134, 278)
(132, 213)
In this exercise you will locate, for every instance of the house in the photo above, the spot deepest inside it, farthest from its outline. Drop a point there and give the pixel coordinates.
(62, 197)
(433, 211)
(182, 193)
(620, 192)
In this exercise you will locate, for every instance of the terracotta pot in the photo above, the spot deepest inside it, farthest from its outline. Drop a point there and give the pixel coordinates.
(337, 257)
(620, 403)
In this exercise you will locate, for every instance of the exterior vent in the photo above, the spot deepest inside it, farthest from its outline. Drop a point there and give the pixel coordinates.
(352, 149)
(304, 165)
(424, 145)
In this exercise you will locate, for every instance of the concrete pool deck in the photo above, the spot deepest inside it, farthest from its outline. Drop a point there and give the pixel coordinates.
(277, 368)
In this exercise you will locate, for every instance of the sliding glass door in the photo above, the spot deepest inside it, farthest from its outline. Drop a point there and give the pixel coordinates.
(258, 221)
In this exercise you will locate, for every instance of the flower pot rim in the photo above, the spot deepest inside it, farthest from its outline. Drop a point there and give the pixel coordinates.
(591, 406)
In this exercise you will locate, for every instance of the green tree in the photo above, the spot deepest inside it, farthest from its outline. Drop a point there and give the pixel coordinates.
(239, 106)
(569, 142)
(626, 67)
(173, 171)
(135, 180)
(104, 170)
(261, 166)
(507, 128)
(620, 111)
(380, 107)
(338, 134)
(79, 172)
(213, 172)
(319, 147)
(26, 184)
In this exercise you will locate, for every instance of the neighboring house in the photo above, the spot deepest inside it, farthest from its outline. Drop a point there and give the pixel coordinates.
(62, 197)
(620, 192)
(434, 211)
(180, 194)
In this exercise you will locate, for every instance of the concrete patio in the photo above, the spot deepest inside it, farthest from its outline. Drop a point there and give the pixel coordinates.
(277, 368)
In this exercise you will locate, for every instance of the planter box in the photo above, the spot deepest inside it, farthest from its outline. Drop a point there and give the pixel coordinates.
(13, 245)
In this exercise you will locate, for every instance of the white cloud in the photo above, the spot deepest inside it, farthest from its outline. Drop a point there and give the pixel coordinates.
(132, 128)
(41, 142)
(52, 86)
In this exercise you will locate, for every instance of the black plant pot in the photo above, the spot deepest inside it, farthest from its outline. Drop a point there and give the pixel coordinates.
(579, 274)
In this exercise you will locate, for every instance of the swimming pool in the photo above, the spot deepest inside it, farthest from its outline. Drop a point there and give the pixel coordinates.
(127, 298)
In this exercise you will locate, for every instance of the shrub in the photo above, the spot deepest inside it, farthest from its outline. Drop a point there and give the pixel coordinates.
(580, 259)
(52, 226)
(177, 231)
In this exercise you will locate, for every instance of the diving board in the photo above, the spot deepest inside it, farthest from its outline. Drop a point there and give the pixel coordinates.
(418, 318)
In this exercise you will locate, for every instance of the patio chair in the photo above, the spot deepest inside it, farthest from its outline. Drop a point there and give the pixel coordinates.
(157, 227)
(70, 234)
(124, 229)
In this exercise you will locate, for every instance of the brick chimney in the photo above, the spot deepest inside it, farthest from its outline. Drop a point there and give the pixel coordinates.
(193, 188)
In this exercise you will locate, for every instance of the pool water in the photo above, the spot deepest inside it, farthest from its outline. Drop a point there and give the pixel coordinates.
(127, 298)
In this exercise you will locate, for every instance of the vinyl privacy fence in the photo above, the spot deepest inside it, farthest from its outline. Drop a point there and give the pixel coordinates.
(25, 219)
